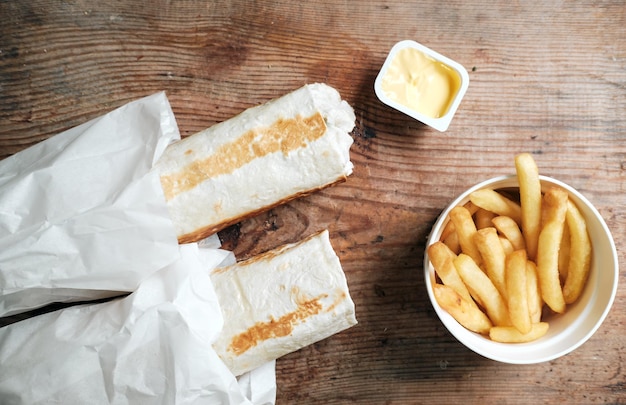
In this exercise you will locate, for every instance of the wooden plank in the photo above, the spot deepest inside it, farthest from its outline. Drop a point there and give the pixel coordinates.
(545, 77)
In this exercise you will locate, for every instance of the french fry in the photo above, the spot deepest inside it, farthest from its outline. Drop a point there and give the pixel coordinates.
(510, 334)
(482, 289)
(530, 200)
(493, 201)
(580, 254)
(555, 201)
(449, 235)
(465, 230)
(442, 259)
(482, 218)
(490, 248)
(517, 291)
(448, 230)
(471, 207)
(509, 228)
(535, 302)
(564, 253)
(460, 309)
(452, 242)
(507, 246)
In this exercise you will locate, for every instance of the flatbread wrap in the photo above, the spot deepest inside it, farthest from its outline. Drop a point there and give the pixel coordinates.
(281, 301)
(265, 156)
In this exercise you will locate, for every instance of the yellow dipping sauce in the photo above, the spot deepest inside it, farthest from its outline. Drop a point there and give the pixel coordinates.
(421, 83)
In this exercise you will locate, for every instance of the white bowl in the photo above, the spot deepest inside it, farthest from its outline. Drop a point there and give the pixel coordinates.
(581, 319)
(439, 123)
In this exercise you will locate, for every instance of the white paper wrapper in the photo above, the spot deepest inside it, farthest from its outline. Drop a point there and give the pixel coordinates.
(152, 347)
(82, 216)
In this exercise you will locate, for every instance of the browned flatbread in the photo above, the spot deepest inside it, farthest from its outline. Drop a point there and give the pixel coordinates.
(261, 158)
(280, 301)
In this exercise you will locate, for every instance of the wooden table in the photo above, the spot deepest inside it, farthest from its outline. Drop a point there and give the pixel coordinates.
(546, 77)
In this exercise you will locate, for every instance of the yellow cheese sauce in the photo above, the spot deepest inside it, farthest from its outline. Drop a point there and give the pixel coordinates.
(421, 83)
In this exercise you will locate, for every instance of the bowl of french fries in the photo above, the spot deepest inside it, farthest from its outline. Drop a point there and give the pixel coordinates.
(521, 268)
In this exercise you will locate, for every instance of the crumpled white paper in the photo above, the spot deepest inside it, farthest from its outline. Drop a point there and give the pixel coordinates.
(151, 347)
(82, 216)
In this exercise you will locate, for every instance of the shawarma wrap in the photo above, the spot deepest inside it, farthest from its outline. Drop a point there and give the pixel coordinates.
(281, 301)
(265, 156)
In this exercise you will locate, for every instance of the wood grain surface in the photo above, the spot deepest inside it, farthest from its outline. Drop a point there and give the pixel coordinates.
(546, 77)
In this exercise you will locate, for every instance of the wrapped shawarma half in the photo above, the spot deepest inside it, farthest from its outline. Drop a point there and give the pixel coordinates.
(267, 155)
(281, 301)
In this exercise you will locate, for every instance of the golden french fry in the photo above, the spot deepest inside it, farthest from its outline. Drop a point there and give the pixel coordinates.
(517, 291)
(471, 207)
(535, 302)
(580, 254)
(448, 230)
(495, 202)
(482, 218)
(507, 246)
(564, 253)
(509, 228)
(530, 200)
(482, 289)
(449, 235)
(510, 334)
(465, 230)
(460, 309)
(442, 258)
(490, 248)
(555, 201)
(452, 242)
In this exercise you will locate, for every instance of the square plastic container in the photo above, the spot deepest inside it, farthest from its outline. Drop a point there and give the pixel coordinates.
(422, 84)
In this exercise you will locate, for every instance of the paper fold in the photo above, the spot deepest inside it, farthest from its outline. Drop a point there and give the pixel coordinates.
(82, 214)
(152, 347)
(83, 217)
